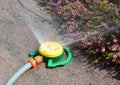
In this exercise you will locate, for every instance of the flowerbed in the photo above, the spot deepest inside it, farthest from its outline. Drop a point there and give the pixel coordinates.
(89, 16)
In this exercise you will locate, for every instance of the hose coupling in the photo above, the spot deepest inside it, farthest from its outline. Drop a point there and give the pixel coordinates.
(34, 61)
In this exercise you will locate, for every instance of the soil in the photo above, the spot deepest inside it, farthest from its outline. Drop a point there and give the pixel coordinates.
(16, 41)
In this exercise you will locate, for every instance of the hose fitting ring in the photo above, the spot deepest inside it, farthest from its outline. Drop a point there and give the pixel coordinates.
(35, 60)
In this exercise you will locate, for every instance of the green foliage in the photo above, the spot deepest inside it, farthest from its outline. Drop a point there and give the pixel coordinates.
(110, 54)
(116, 21)
(80, 23)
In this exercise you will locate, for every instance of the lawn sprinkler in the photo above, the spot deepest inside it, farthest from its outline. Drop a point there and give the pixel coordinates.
(52, 53)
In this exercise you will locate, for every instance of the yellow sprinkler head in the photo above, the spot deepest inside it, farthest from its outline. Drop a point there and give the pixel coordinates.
(51, 49)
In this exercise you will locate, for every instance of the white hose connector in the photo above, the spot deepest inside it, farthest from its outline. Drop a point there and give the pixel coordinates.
(18, 73)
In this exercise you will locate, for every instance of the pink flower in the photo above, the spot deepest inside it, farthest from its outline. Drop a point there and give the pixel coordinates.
(103, 49)
(115, 41)
(96, 0)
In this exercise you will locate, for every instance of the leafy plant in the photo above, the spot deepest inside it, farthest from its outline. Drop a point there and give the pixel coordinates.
(104, 48)
(87, 15)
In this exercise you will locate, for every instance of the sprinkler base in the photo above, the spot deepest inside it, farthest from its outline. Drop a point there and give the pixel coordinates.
(57, 61)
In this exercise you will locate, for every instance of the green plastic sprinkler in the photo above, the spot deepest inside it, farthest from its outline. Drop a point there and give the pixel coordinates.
(52, 53)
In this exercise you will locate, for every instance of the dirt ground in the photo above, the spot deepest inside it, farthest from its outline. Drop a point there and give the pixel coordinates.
(16, 41)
